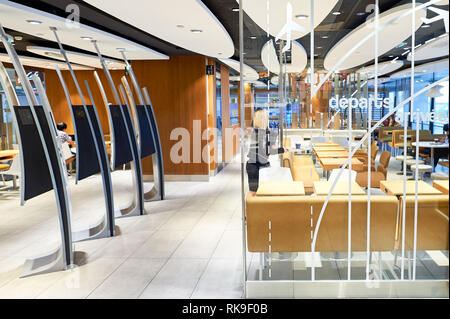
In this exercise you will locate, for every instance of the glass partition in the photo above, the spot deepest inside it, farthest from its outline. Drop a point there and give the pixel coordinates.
(349, 98)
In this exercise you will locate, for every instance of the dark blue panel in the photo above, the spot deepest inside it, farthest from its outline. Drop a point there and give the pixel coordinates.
(98, 135)
(87, 154)
(59, 183)
(145, 132)
(37, 179)
(122, 149)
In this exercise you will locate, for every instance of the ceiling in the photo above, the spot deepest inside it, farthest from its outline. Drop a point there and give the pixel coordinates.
(327, 34)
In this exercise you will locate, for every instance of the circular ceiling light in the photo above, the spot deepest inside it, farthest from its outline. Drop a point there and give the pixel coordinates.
(34, 21)
(196, 31)
(235, 9)
(336, 13)
(301, 16)
(360, 13)
(180, 26)
(324, 37)
(87, 38)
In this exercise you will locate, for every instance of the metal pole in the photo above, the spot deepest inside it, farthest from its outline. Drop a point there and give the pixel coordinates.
(242, 106)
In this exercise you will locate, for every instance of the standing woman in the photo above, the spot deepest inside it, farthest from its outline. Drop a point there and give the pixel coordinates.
(262, 144)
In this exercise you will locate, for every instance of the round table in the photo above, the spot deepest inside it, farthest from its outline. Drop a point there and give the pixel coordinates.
(432, 146)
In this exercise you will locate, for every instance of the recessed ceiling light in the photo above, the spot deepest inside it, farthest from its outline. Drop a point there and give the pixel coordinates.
(301, 16)
(425, 26)
(324, 37)
(391, 56)
(235, 9)
(253, 37)
(18, 38)
(87, 38)
(196, 31)
(360, 13)
(336, 13)
(34, 21)
(319, 48)
(180, 26)
(406, 48)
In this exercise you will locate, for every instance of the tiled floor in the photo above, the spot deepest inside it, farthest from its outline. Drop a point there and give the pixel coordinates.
(187, 246)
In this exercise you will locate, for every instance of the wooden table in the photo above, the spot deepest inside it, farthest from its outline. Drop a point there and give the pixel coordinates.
(342, 154)
(341, 188)
(396, 188)
(8, 154)
(442, 186)
(333, 163)
(281, 189)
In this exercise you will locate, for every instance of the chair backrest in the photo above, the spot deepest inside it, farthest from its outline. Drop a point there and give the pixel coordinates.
(290, 221)
(344, 176)
(374, 150)
(397, 133)
(385, 158)
(65, 148)
(432, 227)
(382, 170)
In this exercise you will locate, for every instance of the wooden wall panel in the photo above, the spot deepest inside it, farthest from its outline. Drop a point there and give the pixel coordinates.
(58, 100)
(212, 115)
(177, 88)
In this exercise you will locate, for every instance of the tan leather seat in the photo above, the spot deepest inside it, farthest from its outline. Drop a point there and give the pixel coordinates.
(288, 219)
(432, 227)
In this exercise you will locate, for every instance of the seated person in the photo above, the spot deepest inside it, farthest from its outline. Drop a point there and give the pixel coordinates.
(393, 122)
(63, 137)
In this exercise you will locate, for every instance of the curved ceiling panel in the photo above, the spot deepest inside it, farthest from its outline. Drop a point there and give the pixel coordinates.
(426, 68)
(42, 63)
(436, 48)
(274, 80)
(299, 58)
(249, 73)
(274, 22)
(186, 23)
(16, 16)
(383, 68)
(75, 57)
(389, 37)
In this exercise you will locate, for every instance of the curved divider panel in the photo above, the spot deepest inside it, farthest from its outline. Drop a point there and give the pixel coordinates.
(145, 132)
(38, 180)
(98, 134)
(122, 146)
(157, 141)
(93, 161)
(36, 171)
(87, 162)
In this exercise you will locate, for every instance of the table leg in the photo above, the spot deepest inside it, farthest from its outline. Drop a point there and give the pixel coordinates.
(14, 181)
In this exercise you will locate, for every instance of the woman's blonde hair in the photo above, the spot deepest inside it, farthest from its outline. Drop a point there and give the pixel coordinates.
(261, 119)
